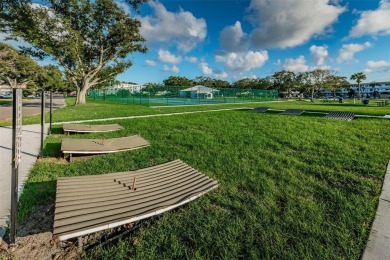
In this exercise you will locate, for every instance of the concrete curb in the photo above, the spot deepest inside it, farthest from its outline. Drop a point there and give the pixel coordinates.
(378, 245)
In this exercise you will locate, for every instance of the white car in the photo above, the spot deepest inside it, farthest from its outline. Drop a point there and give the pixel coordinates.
(6, 96)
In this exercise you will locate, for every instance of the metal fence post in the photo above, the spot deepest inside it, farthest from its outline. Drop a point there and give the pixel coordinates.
(51, 111)
(42, 120)
(16, 156)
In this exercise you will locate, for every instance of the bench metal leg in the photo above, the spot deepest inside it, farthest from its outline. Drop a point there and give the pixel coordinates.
(68, 156)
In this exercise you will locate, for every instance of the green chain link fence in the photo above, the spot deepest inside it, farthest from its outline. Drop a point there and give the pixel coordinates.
(171, 96)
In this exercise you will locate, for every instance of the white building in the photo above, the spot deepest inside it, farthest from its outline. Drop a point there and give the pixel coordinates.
(5, 89)
(132, 88)
(198, 92)
(383, 89)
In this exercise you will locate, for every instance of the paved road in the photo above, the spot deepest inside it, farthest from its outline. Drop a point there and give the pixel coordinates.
(31, 142)
(31, 107)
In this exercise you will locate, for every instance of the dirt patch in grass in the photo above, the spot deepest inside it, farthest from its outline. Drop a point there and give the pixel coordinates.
(53, 160)
(35, 239)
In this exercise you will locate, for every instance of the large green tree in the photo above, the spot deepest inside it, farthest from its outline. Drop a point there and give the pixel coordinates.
(91, 40)
(284, 81)
(18, 69)
(219, 83)
(255, 83)
(210, 82)
(178, 81)
(358, 77)
(334, 83)
(317, 79)
(204, 81)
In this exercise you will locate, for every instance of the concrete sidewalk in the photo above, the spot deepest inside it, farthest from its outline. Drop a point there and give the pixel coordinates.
(31, 142)
(378, 246)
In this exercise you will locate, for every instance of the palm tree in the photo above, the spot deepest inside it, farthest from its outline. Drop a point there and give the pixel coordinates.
(359, 77)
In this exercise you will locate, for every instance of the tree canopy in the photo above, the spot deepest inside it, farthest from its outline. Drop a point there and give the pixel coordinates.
(89, 39)
(319, 79)
(178, 81)
(255, 83)
(333, 83)
(17, 69)
(284, 81)
(53, 79)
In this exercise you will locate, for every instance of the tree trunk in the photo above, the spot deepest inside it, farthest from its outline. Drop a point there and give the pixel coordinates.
(81, 100)
(359, 93)
(312, 93)
(81, 94)
(77, 95)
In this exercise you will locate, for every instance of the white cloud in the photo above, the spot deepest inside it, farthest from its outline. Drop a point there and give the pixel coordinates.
(174, 69)
(181, 29)
(191, 59)
(216, 73)
(125, 7)
(242, 61)
(167, 56)
(368, 70)
(319, 55)
(233, 39)
(278, 62)
(347, 51)
(150, 63)
(296, 65)
(288, 23)
(377, 64)
(220, 75)
(204, 68)
(373, 22)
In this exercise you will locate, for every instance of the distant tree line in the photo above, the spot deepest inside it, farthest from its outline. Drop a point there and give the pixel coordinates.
(288, 83)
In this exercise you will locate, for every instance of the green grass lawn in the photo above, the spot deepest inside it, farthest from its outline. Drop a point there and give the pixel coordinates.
(290, 187)
(5, 101)
(348, 106)
(96, 109)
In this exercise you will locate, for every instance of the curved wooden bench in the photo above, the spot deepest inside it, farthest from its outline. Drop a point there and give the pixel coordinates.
(87, 204)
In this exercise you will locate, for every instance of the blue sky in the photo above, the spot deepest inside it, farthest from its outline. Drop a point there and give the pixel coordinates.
(231, 40)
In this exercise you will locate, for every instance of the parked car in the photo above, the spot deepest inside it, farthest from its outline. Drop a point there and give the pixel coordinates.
(6, 96)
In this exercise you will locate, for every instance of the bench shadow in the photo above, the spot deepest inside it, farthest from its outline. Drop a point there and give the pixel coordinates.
(52, 150)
